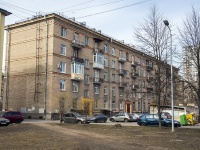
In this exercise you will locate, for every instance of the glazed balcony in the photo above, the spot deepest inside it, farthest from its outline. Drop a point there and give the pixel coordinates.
(98, 60)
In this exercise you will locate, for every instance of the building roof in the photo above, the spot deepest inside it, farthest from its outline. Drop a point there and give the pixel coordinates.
(6, 13)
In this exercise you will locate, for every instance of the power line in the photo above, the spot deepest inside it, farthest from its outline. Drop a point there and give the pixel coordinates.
(75, 5)
(114, 9)
(94, 6)
(15, 6)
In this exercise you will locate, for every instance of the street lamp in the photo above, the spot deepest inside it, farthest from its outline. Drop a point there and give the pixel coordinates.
(172, 92)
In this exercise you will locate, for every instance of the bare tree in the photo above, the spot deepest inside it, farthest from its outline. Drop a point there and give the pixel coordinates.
(154, 38)
(190, 41)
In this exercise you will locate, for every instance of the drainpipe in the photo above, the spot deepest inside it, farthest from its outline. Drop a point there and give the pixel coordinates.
(8, 70)
(46, 67)
(109, 81)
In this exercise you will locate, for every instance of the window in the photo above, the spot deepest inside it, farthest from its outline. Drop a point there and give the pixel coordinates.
(99, 58)
(113, 64)
(133, 107)
(86, 63)
(113, 51)
(96, 75)
(105, 62)
(132, 59)
(120, 92)
(63, 50)
(62, 84)
(121, 105)
(96, 89)
(138, 60)
(63, 32)
(139, 95)
(96, 46)
(142, 62)
(139, 107)
(86, 41)
(127, 73)
(86, 79)
(113, 91)
(105, 104)
(105, 76)
(77, 68)
(86, 93)
(133, 94)
(105, 48)
(127, 56)
(144, 106)
(120, 54)
(105, 90)
(62, 67)
(113, 104)
(75, 36)
(75, 86)
(113, 77)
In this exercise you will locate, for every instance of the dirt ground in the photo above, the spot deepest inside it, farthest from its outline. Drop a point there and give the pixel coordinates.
(58, 136)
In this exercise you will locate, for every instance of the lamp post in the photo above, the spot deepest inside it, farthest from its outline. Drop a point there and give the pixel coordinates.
(172, 92)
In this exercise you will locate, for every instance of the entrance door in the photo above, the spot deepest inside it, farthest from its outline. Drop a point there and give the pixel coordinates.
(128, 108)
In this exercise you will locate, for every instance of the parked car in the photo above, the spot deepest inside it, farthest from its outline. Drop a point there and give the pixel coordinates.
(73, 117)
(13, 116)
(98, 117)
(152, 120)
(121, 117)
(166, 115)
(3, 121)
(136, 116)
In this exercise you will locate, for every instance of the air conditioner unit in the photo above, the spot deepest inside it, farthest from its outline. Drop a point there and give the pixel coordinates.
(58, 66)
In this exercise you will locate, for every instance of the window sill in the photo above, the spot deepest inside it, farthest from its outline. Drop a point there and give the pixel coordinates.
(75, 91)
(63, 90)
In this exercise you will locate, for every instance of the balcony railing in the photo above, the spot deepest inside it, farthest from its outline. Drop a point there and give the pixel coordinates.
(77, 44)
(121, 84)
(150, 79)
(149, 68)
(121, 72)
(134, 75)
(76, 59)
(97, 50)
(135, 87)
(122, 59)
(98, 80)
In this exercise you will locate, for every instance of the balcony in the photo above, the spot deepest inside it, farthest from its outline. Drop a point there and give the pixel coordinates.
(149, 68)
(134, 64)
(98, 80)
(121, 59)
(134, 75)
(77, 44)
(121, 85)
(150, 79)
(135, 87)
(121, 72)
(98, 65)
(149, 88)
(98, 60)
(77, 77)
(76, 59)
(97, 50)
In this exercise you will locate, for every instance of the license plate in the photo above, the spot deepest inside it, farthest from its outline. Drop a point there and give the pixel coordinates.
(3, 123)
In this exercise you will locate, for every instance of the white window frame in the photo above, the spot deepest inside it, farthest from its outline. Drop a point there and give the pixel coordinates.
(86, 64)
(75, 86)
(105, 76)
(96, 89)
(86, 93)
(121, 105)
(106, 62)
(133, 59)
(86, 79)
(62, 84)
(63, 49)
(105, 47)
(99, 58)
(62, 67)
(105, 104)
(63, 32)
(113, 64)
(113, 77)
(113, 51)
(113, 104)
(113, 92)
(86, 41)
(106, 90)
(75, 36)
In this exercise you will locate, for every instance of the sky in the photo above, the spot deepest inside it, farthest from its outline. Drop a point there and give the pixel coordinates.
(117, 23)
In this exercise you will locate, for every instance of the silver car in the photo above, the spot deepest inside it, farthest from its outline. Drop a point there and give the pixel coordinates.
(121, 116)
(4, 122)
(73, 117)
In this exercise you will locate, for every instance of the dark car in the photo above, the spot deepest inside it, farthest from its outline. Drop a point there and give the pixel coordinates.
(98, 117)
(152, 120)
(13, 116)
(121, 116)
(73, 117)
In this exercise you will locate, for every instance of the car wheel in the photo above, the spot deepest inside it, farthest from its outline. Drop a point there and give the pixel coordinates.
(79, 122)
(143, 124)
(104, 121)
(125, 120)
(112, 120)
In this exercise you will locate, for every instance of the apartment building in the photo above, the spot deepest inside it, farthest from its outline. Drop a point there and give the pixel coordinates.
(51, 58)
